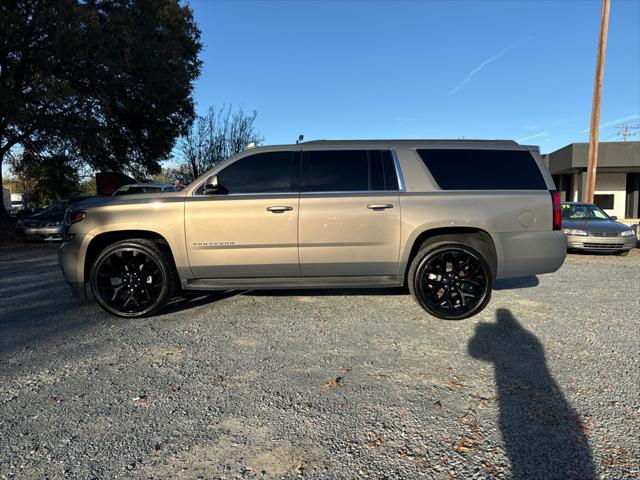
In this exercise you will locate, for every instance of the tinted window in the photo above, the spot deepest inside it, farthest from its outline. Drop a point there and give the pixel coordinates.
(382, 170)
(348, 171)
(483, 169)
(267, 172)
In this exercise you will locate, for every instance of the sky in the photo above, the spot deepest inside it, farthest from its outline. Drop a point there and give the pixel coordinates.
(521, 70)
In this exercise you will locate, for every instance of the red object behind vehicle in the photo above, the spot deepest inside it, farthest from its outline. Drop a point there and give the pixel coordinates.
(557, 212)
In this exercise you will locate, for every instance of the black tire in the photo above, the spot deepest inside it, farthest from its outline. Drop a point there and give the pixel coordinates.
(624, 253)
(142, 267)
(449, 293)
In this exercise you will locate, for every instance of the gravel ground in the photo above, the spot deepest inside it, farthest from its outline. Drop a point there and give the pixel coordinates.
(331, 384)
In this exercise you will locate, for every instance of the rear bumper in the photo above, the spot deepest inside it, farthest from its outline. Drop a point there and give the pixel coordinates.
(601, 244)
(530, 253)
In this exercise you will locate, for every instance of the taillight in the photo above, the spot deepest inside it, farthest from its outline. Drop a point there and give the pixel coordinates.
(557, 212)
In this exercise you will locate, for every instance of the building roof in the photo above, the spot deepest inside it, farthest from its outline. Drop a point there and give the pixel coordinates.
(613, 156)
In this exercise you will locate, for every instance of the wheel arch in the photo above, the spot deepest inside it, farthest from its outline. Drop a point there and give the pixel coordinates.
(476, 238)
(102, 240)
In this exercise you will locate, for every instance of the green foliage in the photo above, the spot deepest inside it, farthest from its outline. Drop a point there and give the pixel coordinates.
(88, 186)
(103, 82)
(47, 178)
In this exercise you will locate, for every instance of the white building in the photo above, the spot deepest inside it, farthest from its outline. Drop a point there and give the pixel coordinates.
(617, 189)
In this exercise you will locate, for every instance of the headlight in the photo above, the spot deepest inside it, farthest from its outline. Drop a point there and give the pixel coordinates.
(628, 233)
(571, 231)
(54, 224)
(75, 216)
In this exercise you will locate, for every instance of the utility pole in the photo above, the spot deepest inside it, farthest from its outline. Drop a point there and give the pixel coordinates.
(597, 101)
(626, 131)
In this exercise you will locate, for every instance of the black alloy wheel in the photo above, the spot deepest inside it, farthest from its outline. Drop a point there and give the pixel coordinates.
(452, 282)
(132, 279)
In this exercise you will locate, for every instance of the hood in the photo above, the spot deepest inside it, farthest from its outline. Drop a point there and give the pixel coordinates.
(45, 216)
(608, 226)
(137, 199)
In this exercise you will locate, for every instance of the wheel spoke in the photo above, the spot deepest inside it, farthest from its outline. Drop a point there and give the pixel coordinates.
(452, 282)
(128, 281)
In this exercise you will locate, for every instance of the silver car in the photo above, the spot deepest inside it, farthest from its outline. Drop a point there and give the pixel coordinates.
(588, 228)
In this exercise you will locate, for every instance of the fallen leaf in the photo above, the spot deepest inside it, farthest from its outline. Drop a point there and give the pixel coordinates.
(51, 399)
(334, 382)
(216, 378)
(437, 405)
(345, 371)
(374, 440)
(144, 400)
(488, 467)
(423, 462)
(465, 444)
(454, 383)
(586, 426)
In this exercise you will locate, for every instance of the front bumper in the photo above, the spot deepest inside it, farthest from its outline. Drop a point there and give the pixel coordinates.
(601, 244)
(40, 233)
(72, 267)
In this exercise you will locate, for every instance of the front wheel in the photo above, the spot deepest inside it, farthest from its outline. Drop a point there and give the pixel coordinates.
(133, 278)
(450, 280)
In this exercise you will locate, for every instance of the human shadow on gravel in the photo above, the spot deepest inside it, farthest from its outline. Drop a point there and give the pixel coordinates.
(543, 435)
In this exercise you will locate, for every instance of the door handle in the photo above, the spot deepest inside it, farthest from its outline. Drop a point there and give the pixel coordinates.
(279, 209)
(379, 206)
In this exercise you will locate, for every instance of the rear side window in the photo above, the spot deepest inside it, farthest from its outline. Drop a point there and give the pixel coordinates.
(269, 172)
(483, 169)
(348, 171)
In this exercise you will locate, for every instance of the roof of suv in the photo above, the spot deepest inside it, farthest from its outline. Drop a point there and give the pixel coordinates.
(466, 144)
(407, 141)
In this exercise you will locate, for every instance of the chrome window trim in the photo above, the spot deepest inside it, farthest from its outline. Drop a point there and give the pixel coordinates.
(265, 194)
(396, 161)
(396, 164)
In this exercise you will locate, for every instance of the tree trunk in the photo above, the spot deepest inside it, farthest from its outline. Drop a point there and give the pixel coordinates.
(4, 215)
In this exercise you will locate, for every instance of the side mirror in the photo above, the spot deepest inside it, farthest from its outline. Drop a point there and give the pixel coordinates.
(613, 217)
(213, 187)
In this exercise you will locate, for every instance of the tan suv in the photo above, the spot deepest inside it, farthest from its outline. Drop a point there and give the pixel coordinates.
(445, 218)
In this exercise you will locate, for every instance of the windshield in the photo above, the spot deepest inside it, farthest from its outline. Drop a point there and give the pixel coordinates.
(583, 212)
(139, 189)
(58, 207)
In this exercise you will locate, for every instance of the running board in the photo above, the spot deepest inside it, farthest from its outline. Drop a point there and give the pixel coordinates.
(291, 283)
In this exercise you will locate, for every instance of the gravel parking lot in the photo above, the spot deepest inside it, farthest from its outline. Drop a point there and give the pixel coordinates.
(545, 383)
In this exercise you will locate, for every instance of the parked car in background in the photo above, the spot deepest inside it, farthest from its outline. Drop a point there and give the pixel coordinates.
(48, 223)
(445, 218)
(18, 204)
(589, 228)
(137, 188)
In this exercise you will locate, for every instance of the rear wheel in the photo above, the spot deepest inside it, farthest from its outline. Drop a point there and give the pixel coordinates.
(133, 278)
(450, 280)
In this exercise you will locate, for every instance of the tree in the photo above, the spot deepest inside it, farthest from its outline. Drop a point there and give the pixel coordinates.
(216, 136)
(48, 178)
(105, 82)
(175, 174)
